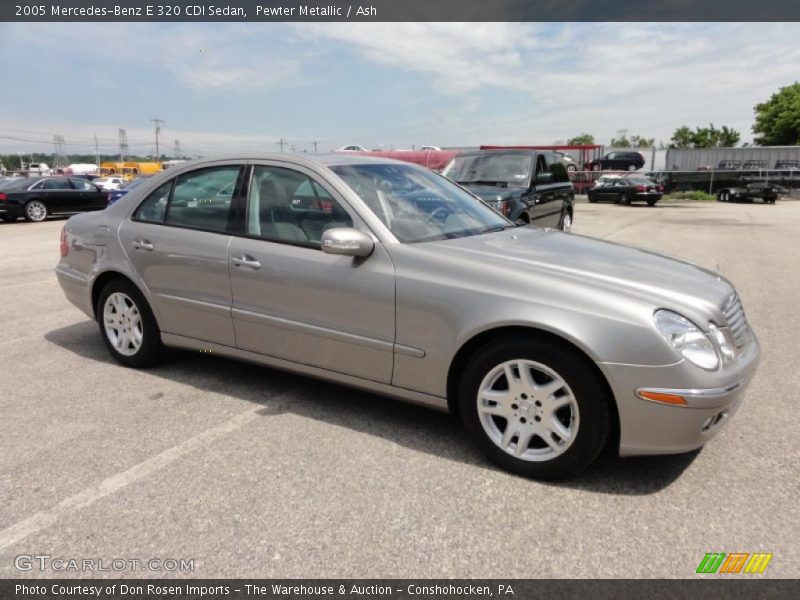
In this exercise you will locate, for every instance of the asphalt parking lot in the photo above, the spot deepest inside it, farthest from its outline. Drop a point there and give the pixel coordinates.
(251, 472)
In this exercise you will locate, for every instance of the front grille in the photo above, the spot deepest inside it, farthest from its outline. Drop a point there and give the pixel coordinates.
(737, 321)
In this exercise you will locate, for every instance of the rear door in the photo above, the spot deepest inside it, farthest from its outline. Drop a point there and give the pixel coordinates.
(178, 238)
(91, 196)
(293, 301)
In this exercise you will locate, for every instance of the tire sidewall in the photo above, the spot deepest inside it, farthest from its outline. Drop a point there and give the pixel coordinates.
(150, 349)
(590, 392)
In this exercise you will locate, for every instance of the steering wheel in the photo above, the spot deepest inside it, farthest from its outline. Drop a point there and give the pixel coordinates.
(439, 215)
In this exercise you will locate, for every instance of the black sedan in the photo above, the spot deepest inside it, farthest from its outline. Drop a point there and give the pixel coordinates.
(761, 189)
(36, 198)
(619, 161)
(626, 190)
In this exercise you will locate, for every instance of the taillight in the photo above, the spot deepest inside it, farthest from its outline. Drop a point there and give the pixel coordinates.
(661, 188)
(505, 208)
(641, 188)
(3, 197)
(64, 247)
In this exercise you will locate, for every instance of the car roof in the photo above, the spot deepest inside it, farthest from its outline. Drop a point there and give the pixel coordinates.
(326, 160)
(520, 151)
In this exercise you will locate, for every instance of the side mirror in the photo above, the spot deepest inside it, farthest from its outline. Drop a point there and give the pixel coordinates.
(348, 242)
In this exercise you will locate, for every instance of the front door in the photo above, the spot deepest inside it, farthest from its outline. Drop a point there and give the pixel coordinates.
(177, 239)
(295, 302)
(548, 201)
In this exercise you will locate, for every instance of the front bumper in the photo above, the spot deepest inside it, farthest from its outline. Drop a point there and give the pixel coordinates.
(712, 398)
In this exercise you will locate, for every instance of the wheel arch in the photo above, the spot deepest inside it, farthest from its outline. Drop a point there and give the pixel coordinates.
(106, 276)
(482, 338)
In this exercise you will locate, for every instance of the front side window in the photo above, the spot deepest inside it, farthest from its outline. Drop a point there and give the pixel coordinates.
(203, 199)
(288, 206)
(83, 185)
(417, 205)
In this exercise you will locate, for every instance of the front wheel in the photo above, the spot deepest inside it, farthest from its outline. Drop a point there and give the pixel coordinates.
(566, 222)
(535, 407)
(35, 211)
(127, 325)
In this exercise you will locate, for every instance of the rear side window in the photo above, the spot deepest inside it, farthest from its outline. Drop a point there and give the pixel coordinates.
(56, 184)
(154, 208)
(203, 199)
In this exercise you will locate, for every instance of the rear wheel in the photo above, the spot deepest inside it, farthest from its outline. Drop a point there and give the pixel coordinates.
(36, 211)
(535, 407)
(127, 325)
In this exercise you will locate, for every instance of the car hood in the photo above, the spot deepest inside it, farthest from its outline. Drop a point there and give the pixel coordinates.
(493, 193)
(630, 272)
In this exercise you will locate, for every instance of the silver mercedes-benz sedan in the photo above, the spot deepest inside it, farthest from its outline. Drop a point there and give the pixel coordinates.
(388, 277)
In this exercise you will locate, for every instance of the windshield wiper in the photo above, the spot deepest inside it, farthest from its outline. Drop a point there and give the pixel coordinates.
(484, 182)
(495, 229)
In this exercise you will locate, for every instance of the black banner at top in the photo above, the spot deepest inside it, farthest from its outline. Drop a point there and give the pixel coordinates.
(398, 10)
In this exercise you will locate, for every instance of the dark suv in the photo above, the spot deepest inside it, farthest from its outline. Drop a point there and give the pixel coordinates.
(618, 161)
(527, 186)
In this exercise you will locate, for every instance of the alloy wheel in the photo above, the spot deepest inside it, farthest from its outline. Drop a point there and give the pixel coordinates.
(36, 211)
(528, 410)
(122, 324)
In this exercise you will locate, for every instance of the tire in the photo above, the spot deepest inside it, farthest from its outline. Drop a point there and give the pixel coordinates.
(566, 222)
(624, 199)
(592, 199)
(631, 167)
(522, 221)
(651, 202)
(138, 343)
(572, 168)
(578, 431)
(36, 211)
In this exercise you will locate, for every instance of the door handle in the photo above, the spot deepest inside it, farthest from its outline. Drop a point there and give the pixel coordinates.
(142, 244)
(245, 260)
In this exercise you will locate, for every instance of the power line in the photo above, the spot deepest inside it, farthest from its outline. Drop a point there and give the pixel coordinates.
(281, 142)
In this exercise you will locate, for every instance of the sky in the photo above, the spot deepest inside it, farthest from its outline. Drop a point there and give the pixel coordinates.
(242, 87)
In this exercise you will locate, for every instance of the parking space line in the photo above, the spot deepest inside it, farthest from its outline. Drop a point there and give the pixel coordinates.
(45, 518)
(42, 282)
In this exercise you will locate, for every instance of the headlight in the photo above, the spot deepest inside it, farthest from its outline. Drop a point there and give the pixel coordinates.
(687, 339)
(725, 349)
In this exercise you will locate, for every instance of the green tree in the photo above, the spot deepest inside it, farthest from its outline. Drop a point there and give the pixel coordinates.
(778, 119)
(682, 138)
(584, 139)
(638, 141)
(705, 137)
(620, 142)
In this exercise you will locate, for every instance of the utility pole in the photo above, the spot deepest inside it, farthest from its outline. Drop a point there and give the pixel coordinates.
(123, 144)
(177, 153)
(96, 151)
(281, 142)
(157, 123)
(315, 146)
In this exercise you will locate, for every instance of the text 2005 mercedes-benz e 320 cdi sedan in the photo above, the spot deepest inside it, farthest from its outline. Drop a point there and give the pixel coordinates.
(388, 277)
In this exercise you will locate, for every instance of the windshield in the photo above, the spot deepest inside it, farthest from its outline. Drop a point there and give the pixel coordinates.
(491, 169)
(417, 205)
